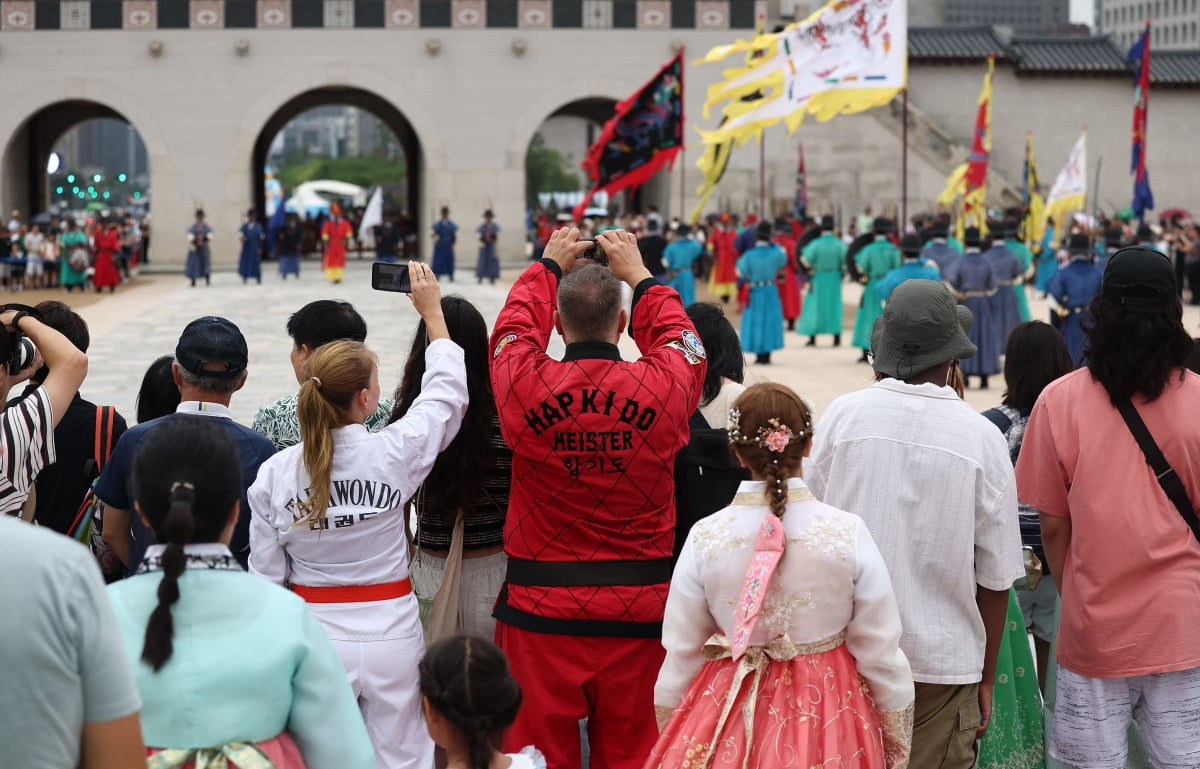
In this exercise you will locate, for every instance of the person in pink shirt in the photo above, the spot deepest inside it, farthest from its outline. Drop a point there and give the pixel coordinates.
(1127, 562)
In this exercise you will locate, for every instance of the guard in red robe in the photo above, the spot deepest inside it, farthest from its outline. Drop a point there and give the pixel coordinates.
(107, 243)
(335, 232)
(723, 279)
(789, 283)
(591, 515)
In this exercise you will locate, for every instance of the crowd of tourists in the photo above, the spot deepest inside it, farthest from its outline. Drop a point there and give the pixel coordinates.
(517, 560)
(73, 252)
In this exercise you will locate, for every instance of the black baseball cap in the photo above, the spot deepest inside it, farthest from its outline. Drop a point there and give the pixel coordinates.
(1139, 276)
(212, 340)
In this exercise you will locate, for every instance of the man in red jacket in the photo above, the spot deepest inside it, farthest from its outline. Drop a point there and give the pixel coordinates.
(591, 515)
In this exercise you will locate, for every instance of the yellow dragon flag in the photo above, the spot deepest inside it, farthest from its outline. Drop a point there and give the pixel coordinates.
(715, 157)
(845, 58)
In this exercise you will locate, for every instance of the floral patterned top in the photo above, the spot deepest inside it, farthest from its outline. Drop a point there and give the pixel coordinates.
(278, 420)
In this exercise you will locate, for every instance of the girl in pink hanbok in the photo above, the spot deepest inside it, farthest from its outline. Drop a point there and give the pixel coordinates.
(781, 629)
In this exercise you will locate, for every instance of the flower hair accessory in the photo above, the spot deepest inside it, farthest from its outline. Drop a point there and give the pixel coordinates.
(774, 436)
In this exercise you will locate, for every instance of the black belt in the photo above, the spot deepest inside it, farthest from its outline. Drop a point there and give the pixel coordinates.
(583, 573)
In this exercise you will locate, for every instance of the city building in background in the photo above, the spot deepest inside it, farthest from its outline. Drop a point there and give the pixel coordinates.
(1174, 24)
(1023, 17)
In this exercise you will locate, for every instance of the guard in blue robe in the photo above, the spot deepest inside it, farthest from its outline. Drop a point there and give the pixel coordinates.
(972, 279)
(1008, 274)
(445, 233)
(1071, 290)
(1047, 260)
(253, 238)
(762, 320)
(288, 242)
(488, 264)
(680, 255)
(937, 250)
(911, 268)
(199, 258)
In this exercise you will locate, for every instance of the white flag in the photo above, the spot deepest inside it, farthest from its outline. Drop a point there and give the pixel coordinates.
(372, 217)
(1069, 192)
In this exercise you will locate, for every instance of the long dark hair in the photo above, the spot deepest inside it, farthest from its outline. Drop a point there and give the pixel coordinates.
(1136, 349)
(158, 395)
(725, 358)
(467, 680)
(1036, 355)
(458, 472)
(187, 479)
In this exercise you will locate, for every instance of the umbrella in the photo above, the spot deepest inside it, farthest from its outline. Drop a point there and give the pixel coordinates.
(1171, 213)
(42, 218)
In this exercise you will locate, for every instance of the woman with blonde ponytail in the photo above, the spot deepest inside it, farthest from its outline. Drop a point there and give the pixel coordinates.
(328, 519)
(229, 667)
(781, 628)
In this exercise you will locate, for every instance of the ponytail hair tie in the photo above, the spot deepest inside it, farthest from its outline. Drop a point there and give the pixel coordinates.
(184, 484)
(316, 381)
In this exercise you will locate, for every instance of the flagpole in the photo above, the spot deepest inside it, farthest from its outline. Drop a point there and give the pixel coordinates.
(762, 178)
(904, 166)
(682, 185)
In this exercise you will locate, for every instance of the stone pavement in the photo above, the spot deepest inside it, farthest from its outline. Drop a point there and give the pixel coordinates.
(143, 321)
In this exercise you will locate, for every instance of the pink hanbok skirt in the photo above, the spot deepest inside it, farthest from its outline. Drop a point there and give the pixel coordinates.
(812, 710)
(280, 750)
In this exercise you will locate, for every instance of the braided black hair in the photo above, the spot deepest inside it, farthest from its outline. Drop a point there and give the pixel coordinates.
(467, 680)
(187, 479)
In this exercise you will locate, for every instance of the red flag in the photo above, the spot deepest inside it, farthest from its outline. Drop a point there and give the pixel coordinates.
(644, 134)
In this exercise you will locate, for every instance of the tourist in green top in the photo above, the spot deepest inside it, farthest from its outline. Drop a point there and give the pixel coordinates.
(874, 262)
(74, 259)
(824, 259)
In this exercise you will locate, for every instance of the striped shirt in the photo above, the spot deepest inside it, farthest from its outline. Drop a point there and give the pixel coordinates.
(28, 427)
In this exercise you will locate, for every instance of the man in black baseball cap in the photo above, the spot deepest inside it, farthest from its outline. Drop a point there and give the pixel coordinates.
(210, 366)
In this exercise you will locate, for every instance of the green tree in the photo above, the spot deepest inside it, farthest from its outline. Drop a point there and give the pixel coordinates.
(546, 171)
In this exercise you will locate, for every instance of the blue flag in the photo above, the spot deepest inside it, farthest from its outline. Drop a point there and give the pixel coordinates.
(1139, 55)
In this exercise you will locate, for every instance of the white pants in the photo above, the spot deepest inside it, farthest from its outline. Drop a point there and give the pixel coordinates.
(380, 645)
(479, 585)
(1092, 715)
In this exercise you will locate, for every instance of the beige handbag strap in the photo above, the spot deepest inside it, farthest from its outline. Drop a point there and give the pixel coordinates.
(442, 620)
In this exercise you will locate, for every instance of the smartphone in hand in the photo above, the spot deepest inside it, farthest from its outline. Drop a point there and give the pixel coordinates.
(386, 276)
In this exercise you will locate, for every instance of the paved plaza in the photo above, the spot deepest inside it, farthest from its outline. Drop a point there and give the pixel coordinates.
(142, 321)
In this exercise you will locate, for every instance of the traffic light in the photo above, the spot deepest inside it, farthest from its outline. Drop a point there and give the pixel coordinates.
(58, 190)
(70, 178)
(137, 195)
(121, 177)
(96, 177)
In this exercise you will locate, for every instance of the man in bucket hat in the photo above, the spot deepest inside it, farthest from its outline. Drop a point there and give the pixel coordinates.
(933, 481)
(1122, 548)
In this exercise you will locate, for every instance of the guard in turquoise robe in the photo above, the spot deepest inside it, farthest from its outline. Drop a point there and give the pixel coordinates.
(874, 262)
(824, 259)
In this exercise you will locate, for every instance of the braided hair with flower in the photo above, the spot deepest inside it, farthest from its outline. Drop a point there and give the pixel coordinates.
(770, 429)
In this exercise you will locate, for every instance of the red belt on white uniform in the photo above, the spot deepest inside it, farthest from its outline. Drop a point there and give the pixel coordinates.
(354, 593)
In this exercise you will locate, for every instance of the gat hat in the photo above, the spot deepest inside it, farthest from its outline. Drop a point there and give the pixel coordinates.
(939, 230)
(882, 226)
(1079, 244)
(1138, 276)
(910, 245)
(971, 238)
(1112, 237)
(199, 213)
(826, 222)
(921, 326)
(1144, 234)
(781, 224)
(487, 212)
(763, 231)
(210, 340)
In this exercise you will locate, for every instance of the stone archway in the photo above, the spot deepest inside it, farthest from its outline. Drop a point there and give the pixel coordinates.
(368, 101)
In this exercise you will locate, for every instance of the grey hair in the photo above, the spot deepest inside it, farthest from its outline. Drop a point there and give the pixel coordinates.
(210, 384)
(589, 302)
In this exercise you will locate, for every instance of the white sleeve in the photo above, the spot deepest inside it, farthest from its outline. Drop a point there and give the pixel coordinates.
(998, 562)
(873, 635)
(267, 557)
(431, 423)
(687, 624)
